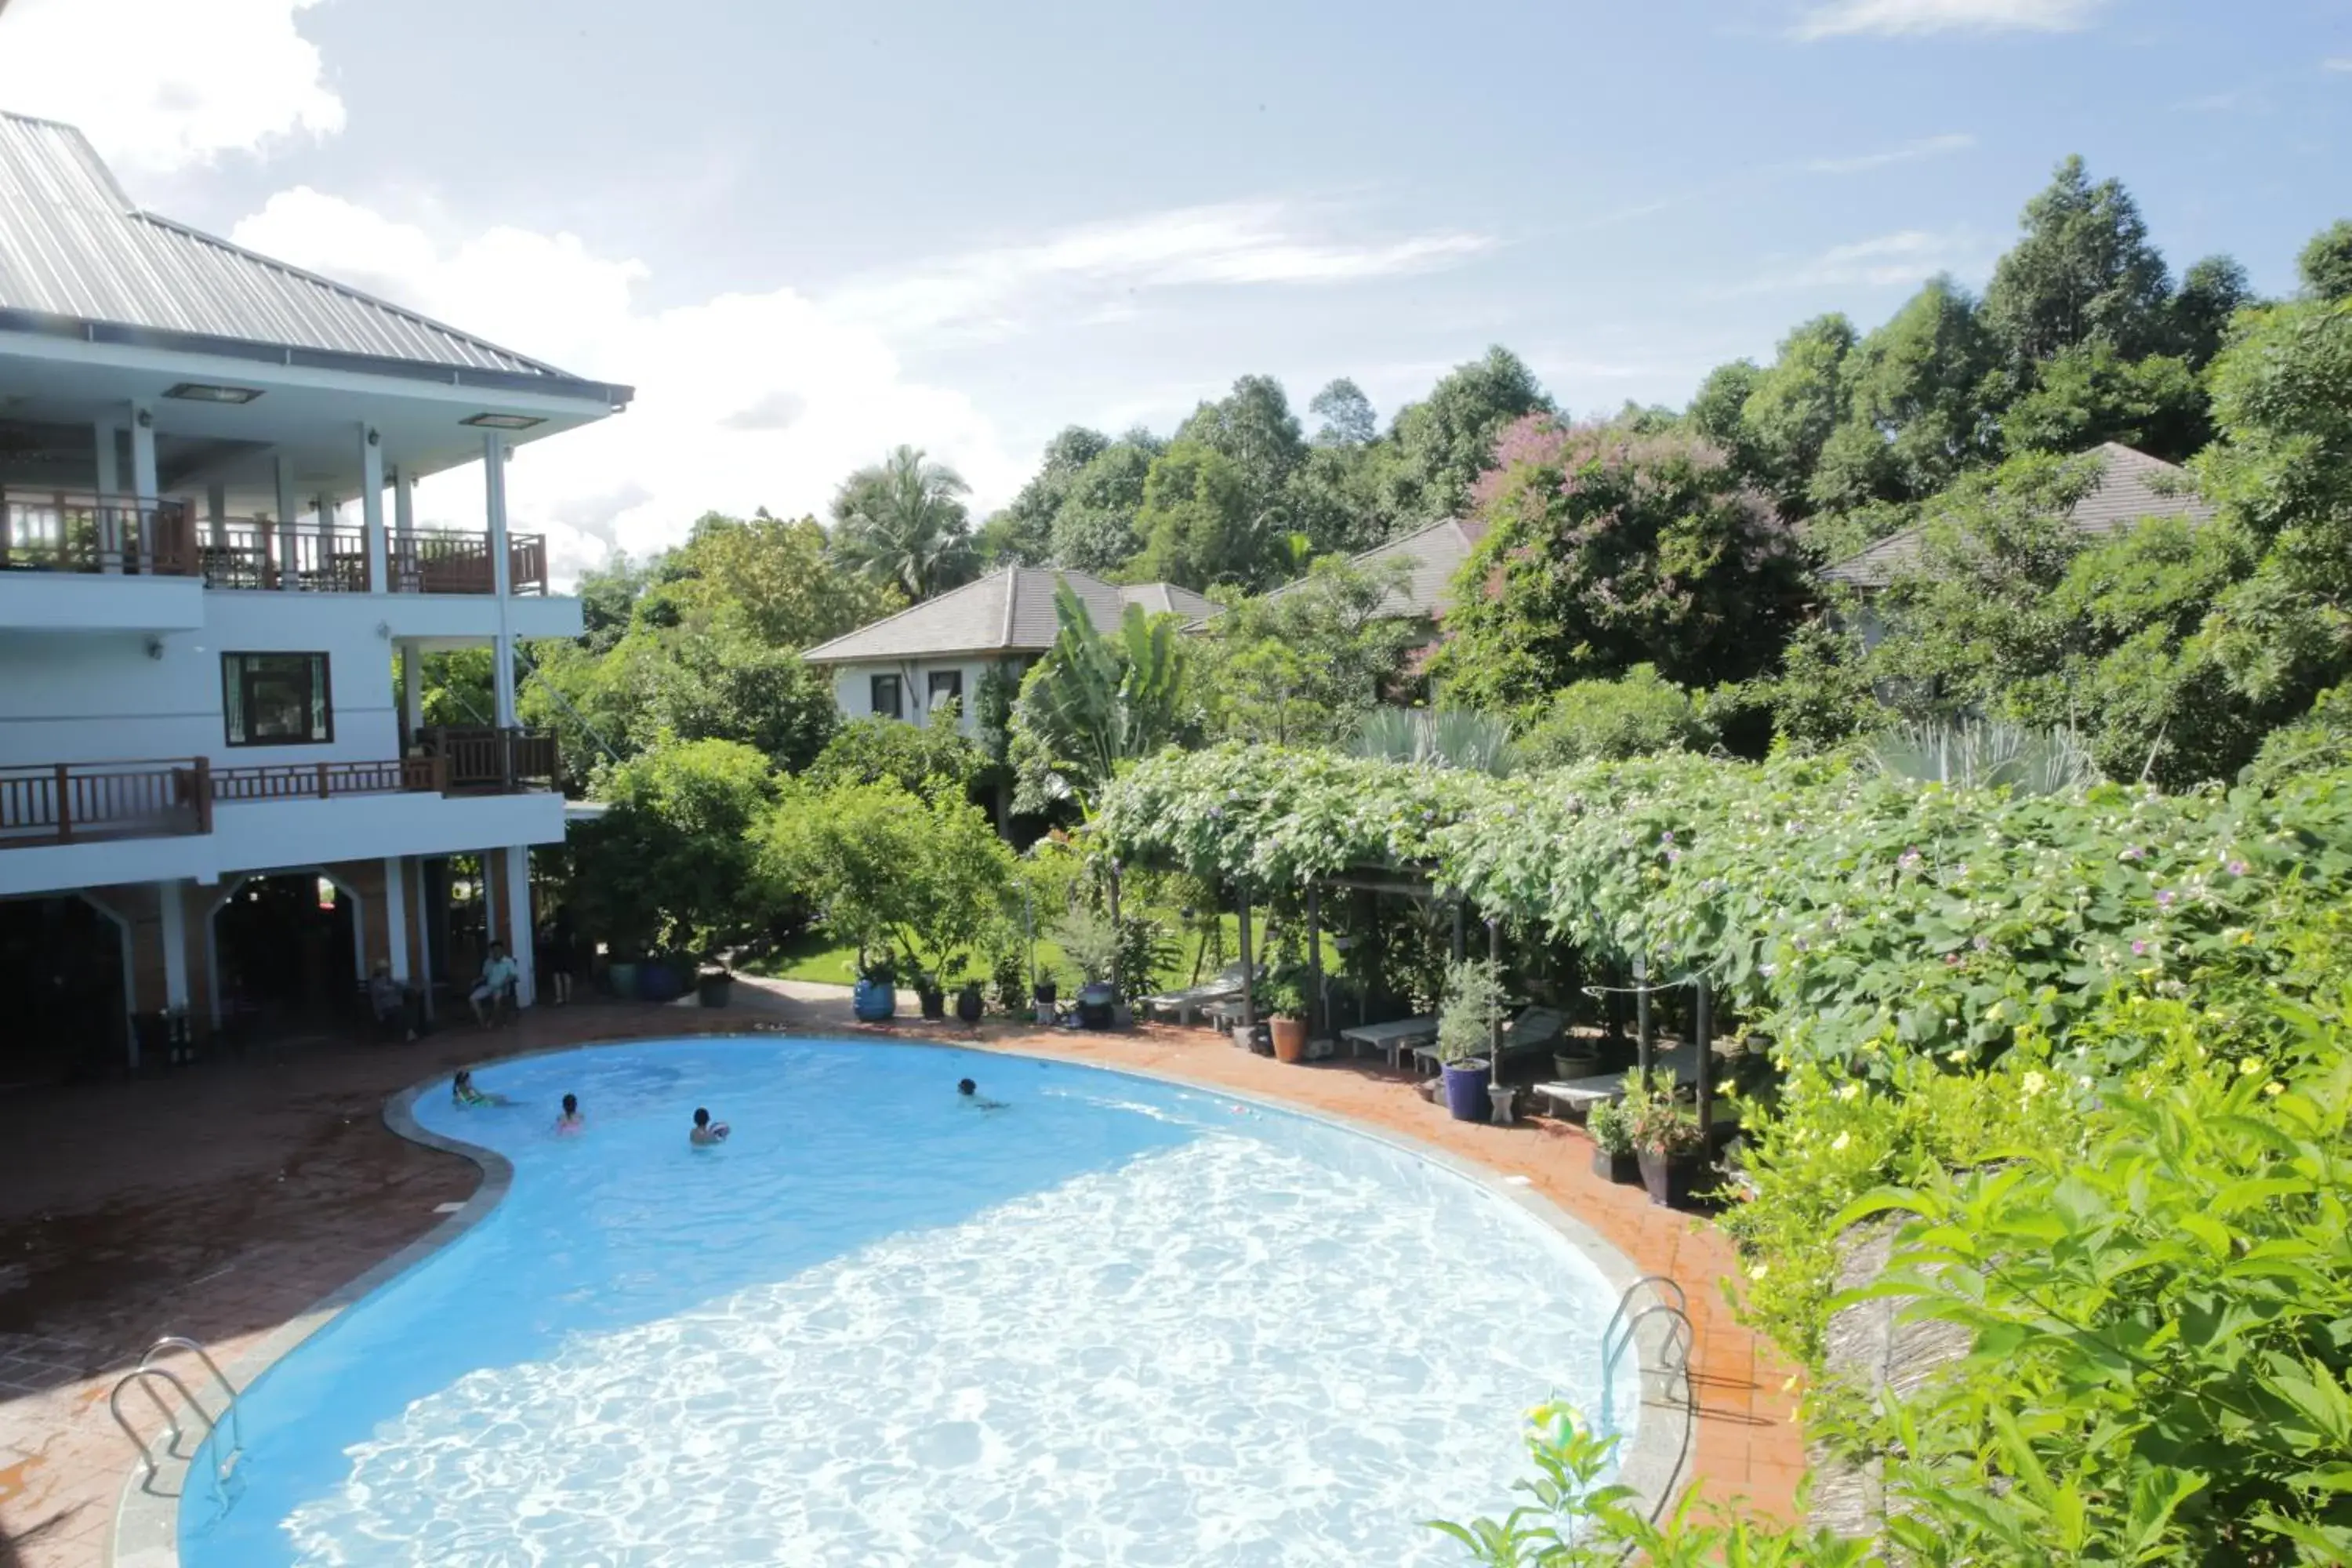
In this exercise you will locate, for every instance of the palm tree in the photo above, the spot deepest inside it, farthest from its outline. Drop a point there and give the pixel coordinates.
(902, 521)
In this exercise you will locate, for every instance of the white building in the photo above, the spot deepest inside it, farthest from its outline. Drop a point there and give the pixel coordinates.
(214, 597)
(904, 665)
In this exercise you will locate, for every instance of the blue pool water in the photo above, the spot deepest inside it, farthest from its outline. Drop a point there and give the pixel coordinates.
(1117, 1321)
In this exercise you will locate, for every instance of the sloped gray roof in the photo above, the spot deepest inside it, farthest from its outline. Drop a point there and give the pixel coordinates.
(1436, 552)
(1010, 611)
(2132, 486)
(77, 257)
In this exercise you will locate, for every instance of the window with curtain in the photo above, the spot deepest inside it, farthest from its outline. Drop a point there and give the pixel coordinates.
(276, 699)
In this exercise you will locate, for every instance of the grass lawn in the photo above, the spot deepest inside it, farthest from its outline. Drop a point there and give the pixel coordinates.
(815, 956)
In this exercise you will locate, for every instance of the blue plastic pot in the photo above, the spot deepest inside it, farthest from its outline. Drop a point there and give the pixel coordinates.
(874, 1001)
(658, 983)
(1465, 1092)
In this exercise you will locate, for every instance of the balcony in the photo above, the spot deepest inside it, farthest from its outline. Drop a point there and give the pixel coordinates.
(78, 803)
(54, 531)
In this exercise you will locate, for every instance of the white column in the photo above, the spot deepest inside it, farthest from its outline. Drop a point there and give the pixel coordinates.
(424, 940)
(172, 900)
(372, 507)
(396, 915)
(286, 551)
(217, 513)
(516, 878)
(404, 515)
(141, 545)
(494, 496)
(109, 485)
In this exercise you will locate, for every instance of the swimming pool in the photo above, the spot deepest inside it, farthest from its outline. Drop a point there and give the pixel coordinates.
(1115, 1321)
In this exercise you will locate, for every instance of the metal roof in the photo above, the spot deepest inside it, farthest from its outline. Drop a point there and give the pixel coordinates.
(76, 255)
(1010, 611)
(2132, 486)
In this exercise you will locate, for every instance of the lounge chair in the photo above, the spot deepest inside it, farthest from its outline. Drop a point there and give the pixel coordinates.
(1584, 1093)
(1534, 1031)
(1225, 987)
(1394, 1037)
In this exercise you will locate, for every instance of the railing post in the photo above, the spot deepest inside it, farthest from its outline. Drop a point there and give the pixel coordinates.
(203, 795)
(65, 804)
(323, 780)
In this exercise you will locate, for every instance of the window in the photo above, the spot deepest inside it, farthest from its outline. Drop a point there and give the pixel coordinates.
(276, 699)
(885, 697)
(947, 686)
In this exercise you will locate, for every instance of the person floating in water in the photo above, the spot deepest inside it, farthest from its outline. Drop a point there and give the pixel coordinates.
(970, 1091)
(571, 1120)
(463, 1092)
(706, 1132)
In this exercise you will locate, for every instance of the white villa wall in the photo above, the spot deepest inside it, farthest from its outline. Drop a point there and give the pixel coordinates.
(853, 690)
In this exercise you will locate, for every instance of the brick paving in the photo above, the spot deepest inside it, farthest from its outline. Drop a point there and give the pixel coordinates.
(220, 1200)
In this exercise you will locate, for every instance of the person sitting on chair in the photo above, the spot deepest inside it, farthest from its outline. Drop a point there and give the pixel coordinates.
(497, 983)
(388, 999)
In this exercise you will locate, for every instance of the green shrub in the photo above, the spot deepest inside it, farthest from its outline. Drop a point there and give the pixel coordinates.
(1609, 721)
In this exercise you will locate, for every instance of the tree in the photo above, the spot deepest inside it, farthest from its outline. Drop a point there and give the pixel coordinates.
(928, 759)
(608, 599)
(1021, 534)
(1634, 716)
(1914, 412)
(775, 578)
(1794, 408)
(2091, 393)
(1605, 549)
(1447, 439)
(1252, 428)
(903, 522)
(925, 876)
(1095, 527)
(2212, 293)
(1197, 522)
(2325, 263)
(1095, 701)
(668, 864)
(1347, 415)
(1300, 666)
(2084, 272)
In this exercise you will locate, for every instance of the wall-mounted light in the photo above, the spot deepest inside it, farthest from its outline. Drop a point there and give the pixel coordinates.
(383, 630)
(155, 648)
(207, 392)
(374, 439)
(502, 421)
(146, 420)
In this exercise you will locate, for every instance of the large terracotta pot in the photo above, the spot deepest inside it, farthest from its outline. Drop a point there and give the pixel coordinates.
(1289, 1040)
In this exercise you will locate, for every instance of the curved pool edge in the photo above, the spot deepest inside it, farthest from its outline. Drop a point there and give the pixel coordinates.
(146, 1523)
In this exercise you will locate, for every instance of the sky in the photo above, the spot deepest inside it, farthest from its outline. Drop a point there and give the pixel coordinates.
(807, 233)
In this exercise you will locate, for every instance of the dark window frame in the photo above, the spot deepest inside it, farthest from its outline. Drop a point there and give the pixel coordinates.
(237, 677)
(898, 708)
(953, 678)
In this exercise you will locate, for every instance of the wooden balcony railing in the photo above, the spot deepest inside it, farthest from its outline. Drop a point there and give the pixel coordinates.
(69, 531)
(461, 564)
(255, 552)
(491, 761)
(71, 803)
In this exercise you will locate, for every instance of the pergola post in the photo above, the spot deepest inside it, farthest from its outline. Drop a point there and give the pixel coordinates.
(1117, 981)
(1249, 966)
(1316, 1023)
(1461, 947)
(1495, 1022)
(1703, 1026)
(1642, 1017)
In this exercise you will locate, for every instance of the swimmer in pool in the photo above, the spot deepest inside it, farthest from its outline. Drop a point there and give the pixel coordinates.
(463, 1092)
(571, 1120)
(706, 1132)
(970, 1091)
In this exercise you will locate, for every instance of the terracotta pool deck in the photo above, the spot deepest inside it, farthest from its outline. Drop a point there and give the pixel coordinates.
(221, 1201)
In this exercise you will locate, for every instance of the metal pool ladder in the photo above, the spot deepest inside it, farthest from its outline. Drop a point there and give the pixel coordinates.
(1677, 1349)
(146, 1374)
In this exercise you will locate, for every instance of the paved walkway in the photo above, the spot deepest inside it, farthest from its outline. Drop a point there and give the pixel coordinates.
(221, 1201)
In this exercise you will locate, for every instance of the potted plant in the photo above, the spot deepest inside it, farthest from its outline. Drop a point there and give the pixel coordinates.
(970, 1003)
(1664, 1137)
(715, 985)
(930, 997)
(1282, 997)
(1612, 1144)
(1473, 998)
(876, 995)
(1575, 1058)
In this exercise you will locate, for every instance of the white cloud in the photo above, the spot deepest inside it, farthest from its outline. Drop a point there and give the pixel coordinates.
(1909, 153)
(2339, 63)
(993, 293)
(1907, 256)
(158, 85)
(744, 400)
(1840, 18)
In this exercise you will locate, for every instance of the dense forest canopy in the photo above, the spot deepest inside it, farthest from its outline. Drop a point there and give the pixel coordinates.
(1682, 549)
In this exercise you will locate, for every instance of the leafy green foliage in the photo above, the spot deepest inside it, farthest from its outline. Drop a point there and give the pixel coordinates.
(2084, 272)
(1472, 1006)
(2325, 263)
(902, 523)
(1438, 738)
(1200, 523)
(1605, 549)
(1096, 701)
(1303, 665)
(1447, 439)
(668, 863)
(932, 759)
(1636, 715)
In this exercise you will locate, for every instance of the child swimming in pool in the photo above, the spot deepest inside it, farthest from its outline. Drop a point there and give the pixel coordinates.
(970, 1091)
(463, 1092)
(571, 1120)
(705, 1132)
